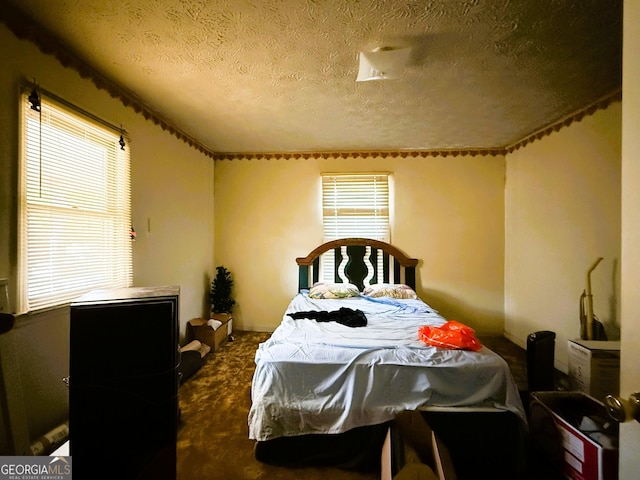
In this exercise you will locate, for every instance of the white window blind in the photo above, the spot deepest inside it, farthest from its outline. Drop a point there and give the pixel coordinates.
(353, 205)
(75, 207)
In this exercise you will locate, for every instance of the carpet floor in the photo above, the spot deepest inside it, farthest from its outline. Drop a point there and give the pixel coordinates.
(213, 440)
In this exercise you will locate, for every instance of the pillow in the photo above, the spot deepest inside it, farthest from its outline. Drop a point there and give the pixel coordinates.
(333, 290)
(398, 290)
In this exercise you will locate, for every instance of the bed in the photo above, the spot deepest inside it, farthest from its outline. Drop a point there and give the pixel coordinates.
(327, 384)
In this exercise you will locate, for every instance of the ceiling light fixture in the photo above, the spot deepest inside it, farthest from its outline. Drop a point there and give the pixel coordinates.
(384, 63)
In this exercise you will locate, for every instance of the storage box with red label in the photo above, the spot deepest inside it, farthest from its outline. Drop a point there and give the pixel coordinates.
(574, 432)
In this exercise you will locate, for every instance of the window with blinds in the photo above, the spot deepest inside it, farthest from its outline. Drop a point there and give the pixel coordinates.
(75, 207)
(353, 205)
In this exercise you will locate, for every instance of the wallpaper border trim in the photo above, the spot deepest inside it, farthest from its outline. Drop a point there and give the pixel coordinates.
(600, 104)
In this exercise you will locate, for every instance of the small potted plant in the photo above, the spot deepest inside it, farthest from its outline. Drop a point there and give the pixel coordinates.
(222, 305)
(220, 293)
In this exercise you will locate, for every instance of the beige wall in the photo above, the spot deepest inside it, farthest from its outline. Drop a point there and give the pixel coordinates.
(172, 197)
(172, 191)
(448, 213)
(562, 212)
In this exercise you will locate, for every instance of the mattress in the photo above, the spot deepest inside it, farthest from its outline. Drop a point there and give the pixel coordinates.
(316, 377)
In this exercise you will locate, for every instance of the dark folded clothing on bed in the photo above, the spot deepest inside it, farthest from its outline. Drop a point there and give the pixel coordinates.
(345, 316)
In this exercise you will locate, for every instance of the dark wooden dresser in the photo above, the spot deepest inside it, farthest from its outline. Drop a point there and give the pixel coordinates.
(123, 382)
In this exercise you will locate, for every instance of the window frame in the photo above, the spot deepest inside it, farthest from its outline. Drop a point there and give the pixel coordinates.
(374, 187)
(72, 237)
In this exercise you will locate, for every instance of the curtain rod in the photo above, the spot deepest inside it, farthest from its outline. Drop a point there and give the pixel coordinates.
(26, 85)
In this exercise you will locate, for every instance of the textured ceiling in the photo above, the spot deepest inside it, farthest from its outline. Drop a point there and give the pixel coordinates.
(279, 75)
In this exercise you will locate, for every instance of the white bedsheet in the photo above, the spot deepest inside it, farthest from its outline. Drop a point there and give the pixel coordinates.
(324, 377)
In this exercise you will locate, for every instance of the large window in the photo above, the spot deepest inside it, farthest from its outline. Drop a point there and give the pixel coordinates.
(74, 205)
(353, 205)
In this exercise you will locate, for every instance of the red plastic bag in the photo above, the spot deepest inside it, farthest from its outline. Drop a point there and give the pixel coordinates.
(452, 335)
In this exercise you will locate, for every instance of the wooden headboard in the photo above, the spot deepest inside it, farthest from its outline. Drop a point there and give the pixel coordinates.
(356, 261)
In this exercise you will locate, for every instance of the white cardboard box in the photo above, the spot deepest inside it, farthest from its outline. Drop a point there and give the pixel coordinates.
(594, 367)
